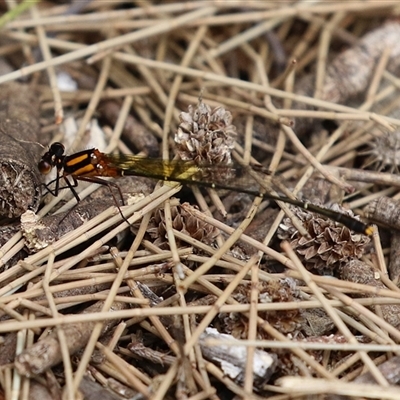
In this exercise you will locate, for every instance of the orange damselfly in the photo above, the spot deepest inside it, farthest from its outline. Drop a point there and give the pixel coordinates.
(91, 165)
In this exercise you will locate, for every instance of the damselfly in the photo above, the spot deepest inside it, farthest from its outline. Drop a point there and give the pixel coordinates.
(90, 165)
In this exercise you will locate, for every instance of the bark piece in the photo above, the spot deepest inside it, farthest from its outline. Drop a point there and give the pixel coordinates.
(350, 73)
(41, 233)
(359, 272)
(94, 391)
(19, 151)
(121, 389)
(394, 264)
(389, 369)
(384, 211)
(8, 348)
(232, 359)
(47, 352)
(37, 391)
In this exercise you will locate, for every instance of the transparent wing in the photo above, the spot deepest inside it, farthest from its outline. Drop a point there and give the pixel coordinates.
(231, 177)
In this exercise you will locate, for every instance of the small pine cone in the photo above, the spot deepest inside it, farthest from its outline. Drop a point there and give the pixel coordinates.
(205, 135)
(282, 291)
(183, 221)
(384, 152)
(330, 244)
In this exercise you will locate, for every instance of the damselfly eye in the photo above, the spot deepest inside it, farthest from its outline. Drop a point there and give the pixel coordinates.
(44, 167)
(57, 149)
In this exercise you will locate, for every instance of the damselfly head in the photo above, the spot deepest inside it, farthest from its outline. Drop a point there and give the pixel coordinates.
(51, 158)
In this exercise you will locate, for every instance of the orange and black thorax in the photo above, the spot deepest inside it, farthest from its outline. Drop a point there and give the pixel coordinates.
(79, 164)
(87, 163)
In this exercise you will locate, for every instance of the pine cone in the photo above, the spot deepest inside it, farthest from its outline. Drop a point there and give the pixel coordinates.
(282, 291)
(384, 152)
(330, 244)
(205, 135)
(183, 221)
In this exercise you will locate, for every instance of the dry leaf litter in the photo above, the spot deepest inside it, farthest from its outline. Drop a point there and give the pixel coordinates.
(196, 298)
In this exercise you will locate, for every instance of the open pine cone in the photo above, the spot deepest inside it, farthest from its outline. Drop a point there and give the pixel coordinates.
(330, 244)
(183, 221)
(205, 135)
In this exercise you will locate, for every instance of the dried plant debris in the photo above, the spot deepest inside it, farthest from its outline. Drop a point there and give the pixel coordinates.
(232, 359)
(337, 358)
(134, 133)
(117, 387)
(390, 370)
(383, 152)
(329, 244)
(316, 323)
(6, 233)
(40, 391)
(383, 149)
(381, 144)
(321, 191)
(394, 264)
(350, 73)
(40, 233)
(359, 272)
(136, 98)
(47, 352)
(92, 390)
(156, 357)
(258, 228)
(279, 291)
(20, 184)
(8, 348)
(384, 211)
